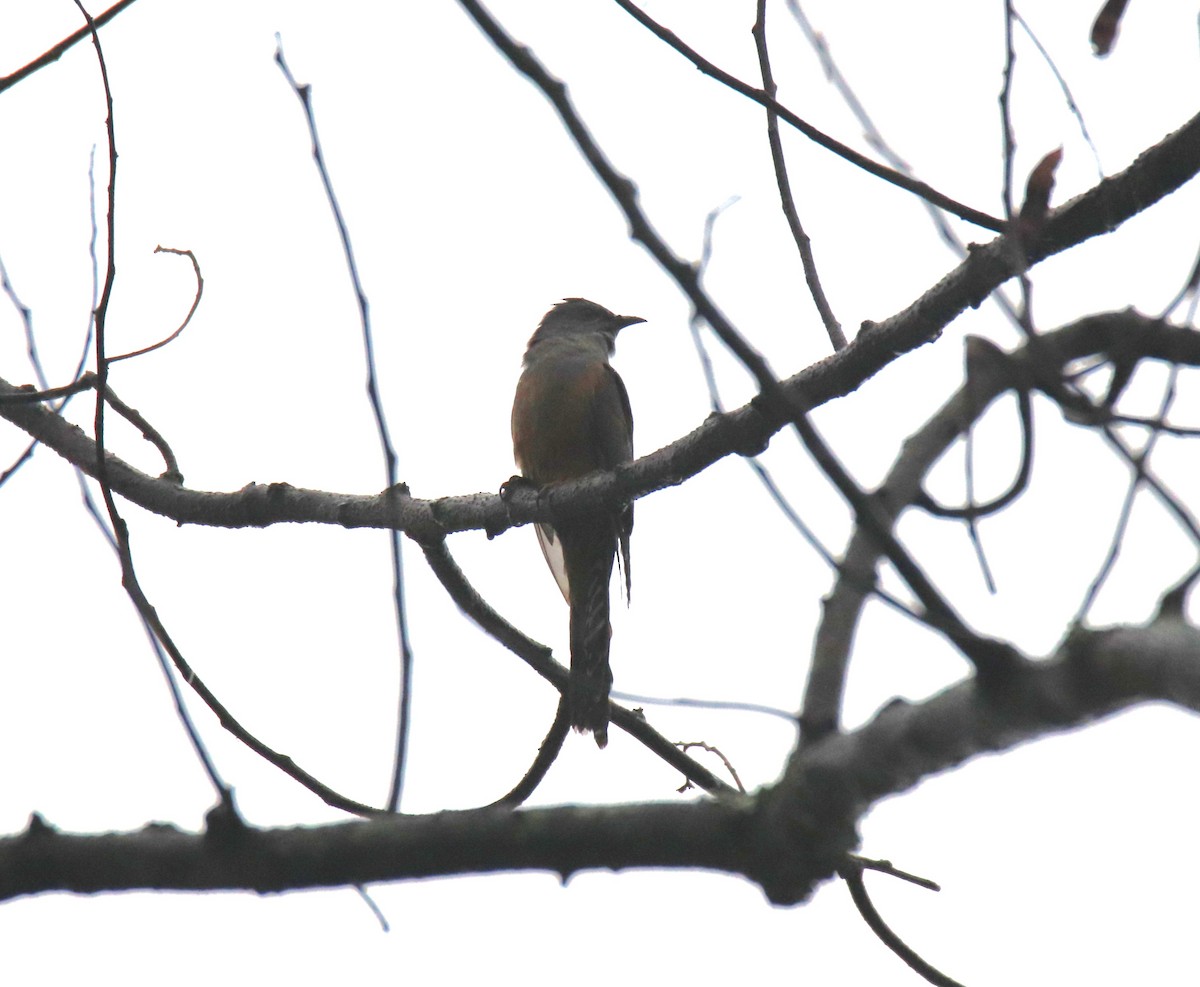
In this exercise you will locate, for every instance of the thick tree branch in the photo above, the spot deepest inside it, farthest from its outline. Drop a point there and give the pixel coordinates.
(744, 431)
(788, 839)
(1112, 333)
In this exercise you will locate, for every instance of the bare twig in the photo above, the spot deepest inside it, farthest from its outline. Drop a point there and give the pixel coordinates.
(1017, 242)
(546, 755)
(1126, 512)
(686, 745)
(55, 53)
(974, 511)
(187, 318)
(889, 175)
(852, 874)
(874, 137)
(120, 531)
(723, 705)
(304, 94)
(1189, 288)
(539, 658)
(35, 360)
(886, 867)
(1072, 106)
(695, 325)
(991, 657)
(786, 199)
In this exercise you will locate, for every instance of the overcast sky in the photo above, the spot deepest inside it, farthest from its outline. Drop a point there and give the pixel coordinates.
(471, 213)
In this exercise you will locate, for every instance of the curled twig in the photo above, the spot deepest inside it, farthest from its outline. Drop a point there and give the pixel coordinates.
(187, 318)
(686, 745)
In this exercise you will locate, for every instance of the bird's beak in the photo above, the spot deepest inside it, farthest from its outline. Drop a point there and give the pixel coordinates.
(624, 321)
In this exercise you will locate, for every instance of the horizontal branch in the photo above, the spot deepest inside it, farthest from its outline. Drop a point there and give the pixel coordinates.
(744, 431)
(788, 838)
(562, 840)
(1156, 173)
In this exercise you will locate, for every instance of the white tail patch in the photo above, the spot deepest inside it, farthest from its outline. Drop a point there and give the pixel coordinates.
(552, 549)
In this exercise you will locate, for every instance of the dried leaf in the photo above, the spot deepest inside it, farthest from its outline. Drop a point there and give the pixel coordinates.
(1037, 194)
(1108, 22)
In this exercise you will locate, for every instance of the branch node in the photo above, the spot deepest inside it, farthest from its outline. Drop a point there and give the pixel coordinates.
(222, 822)
(38, 828)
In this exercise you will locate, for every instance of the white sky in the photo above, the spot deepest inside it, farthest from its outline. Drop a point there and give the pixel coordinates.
(471, 213)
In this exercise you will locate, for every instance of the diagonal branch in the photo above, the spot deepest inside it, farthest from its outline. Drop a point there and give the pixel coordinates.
(991, 657)
(54, 54)
(786, 200)
(744, 431)
(539, 658)
(767, 101)
(903, 485)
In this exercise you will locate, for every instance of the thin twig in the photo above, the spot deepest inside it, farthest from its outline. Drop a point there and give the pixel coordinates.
(686, 745)
(55, 53)
(786, 200)
(35, 360)
(149, 433)
(547, 753)
(874, 137)
(373, 905)
(887, 867)
(119, 529)
(86, 383)
(1166, 428)
(991, 657)
(187, 318)
(1189, 288)
(889, 175)
(764, 476)
(304, 94)
(540, 659)
(1126, 512)
(722, 705)
(1016, 242)
(972, 509)
(1072, 106)
(852, 874)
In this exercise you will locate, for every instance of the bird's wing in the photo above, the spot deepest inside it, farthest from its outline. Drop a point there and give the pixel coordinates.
(613, 446)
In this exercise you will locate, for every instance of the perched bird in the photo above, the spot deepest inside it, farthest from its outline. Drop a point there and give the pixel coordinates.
(571, 417)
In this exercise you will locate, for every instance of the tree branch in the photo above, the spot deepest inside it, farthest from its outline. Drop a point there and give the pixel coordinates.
(54, 54)
(788, 839)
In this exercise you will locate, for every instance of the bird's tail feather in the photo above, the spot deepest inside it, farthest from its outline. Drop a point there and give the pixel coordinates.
(589, 548)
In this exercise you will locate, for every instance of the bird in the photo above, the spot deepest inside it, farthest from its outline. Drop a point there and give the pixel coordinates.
(570, 417)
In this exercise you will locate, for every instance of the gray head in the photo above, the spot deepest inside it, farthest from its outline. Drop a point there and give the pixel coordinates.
(573, 317)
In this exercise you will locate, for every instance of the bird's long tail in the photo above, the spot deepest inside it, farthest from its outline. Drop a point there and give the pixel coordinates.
(589, 546)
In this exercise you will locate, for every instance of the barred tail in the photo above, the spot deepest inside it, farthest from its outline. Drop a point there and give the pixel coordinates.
(589, 547)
